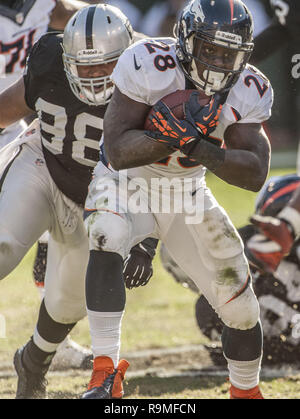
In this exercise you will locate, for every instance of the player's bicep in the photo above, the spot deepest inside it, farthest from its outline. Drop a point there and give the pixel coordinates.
(250, 137)
(13, 105)
(63, 11)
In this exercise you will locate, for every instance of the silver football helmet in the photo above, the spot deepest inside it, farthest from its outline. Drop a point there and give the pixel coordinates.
(96, 34)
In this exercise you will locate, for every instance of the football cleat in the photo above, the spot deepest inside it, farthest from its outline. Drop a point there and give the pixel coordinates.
(252, 393)
(106, 381)
(30, 385)
(71, 355)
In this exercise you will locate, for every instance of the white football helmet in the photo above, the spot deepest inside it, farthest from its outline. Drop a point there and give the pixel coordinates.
(96, 34)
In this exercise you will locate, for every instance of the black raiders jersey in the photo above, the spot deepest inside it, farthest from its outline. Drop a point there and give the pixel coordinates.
(70, 129)
(287, 13)
(284, 29)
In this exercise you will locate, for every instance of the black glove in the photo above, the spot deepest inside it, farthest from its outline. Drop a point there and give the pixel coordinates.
(138, 264)
(199, 122)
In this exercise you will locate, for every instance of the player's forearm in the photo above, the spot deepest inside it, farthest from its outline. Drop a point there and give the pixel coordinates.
(240, 168)
(12, 104)
(133, 149)
(63, 11)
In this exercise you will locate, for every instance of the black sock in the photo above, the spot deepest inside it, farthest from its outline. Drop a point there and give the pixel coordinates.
(50, 330)
(242, 345)
(105, 288)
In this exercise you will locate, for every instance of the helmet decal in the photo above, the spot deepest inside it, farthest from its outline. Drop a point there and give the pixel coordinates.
(197, 11)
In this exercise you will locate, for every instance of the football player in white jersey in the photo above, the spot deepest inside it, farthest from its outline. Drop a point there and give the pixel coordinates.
(210, 53)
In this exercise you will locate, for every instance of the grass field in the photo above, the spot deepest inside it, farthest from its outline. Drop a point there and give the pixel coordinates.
(160, 315)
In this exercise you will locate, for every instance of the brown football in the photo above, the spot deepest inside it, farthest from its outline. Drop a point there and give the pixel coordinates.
(175, 101)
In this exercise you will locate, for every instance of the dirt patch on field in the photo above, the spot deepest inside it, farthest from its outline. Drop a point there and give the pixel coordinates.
(175, 360)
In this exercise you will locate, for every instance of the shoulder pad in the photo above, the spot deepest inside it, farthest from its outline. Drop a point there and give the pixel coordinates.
(148, 70)
(46, 55)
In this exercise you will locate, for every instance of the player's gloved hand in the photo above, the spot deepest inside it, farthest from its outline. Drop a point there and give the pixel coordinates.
(177, 133)
(206, 118)
(138, 268)
(266, 250)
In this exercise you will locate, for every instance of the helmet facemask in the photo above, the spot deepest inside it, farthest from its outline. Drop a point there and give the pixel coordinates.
(202, 71)
(224, 26)
(93, 91)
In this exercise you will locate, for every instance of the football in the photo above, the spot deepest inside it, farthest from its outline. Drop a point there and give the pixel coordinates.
(176, 100)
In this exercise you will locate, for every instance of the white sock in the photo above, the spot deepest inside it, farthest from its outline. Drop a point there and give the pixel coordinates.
(105, 329)
(244, 374)
(43, 344)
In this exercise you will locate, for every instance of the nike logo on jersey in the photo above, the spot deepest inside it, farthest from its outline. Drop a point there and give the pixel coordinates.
(136, 66)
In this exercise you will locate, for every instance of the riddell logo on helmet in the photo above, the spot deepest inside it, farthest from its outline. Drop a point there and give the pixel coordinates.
(227, 36)
(89, 52)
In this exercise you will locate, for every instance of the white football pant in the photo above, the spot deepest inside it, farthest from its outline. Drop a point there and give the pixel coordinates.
(210, 252)
(30, 204)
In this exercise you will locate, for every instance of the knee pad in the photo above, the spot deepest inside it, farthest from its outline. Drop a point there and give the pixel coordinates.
(241, 312)
(108, 232)
(235, 300)
(65, 309)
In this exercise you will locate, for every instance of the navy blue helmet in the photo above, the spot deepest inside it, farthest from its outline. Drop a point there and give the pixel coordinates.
(276, 193)
(207, 28)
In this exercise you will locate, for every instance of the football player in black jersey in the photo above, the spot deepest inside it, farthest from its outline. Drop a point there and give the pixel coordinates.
(22, 23)
(285, 28)
(47, 169)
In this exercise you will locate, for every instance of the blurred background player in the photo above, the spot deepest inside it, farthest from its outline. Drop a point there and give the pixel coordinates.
(278, 294)
(279, 233)
(22, 23)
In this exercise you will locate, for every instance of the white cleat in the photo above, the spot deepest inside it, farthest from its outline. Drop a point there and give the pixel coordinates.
(70, 355)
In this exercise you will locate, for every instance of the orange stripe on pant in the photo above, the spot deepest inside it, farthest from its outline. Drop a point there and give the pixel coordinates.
(244, 287)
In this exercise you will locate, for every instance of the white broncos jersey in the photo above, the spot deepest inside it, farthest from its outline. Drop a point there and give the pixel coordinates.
(148, 70)
(19, 31)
